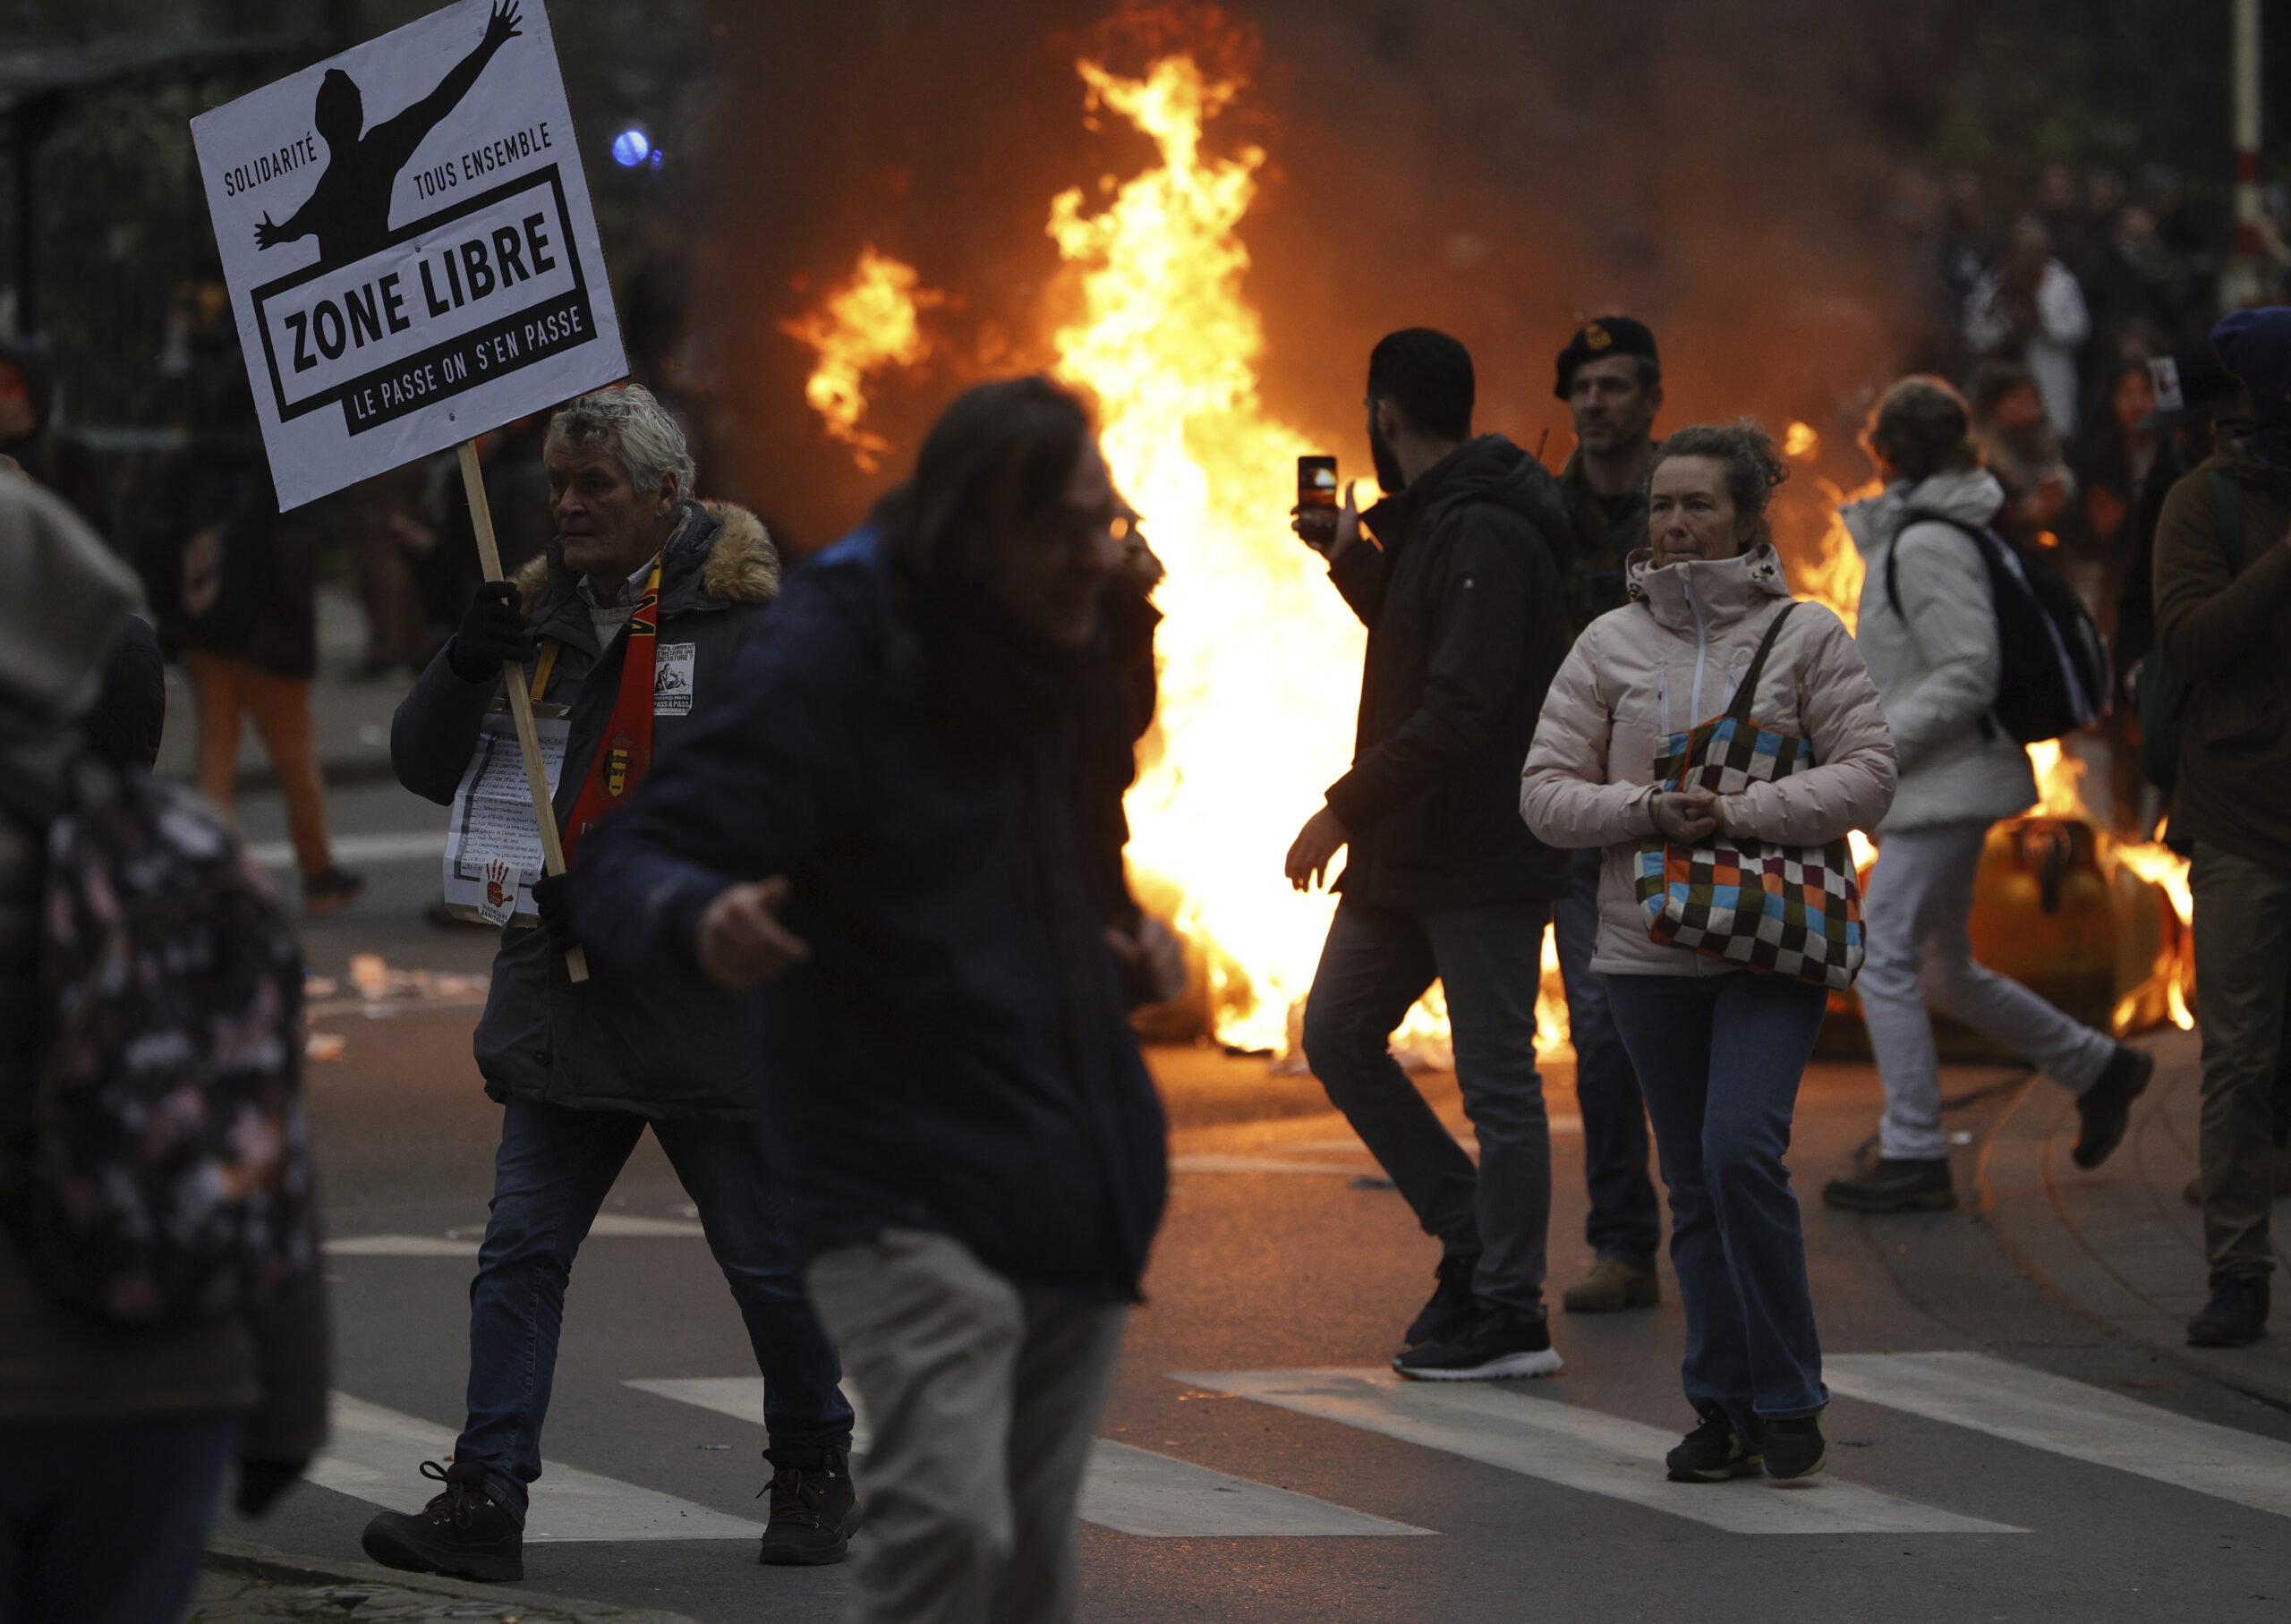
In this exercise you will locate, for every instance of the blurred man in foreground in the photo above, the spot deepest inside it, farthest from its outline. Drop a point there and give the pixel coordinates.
(897, 838)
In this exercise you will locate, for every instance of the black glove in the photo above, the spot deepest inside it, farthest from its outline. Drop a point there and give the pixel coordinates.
(262, 1482)
(495, 629)
(552, 902)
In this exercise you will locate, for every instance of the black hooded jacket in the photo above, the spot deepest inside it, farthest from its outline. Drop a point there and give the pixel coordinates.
(1467, 624)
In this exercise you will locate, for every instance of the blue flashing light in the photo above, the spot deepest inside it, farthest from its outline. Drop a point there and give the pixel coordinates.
(631, 147)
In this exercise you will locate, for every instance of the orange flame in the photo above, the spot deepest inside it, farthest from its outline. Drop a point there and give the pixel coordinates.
(1800, 441)
(867, 323)
(1258, 654)
(1833, 578)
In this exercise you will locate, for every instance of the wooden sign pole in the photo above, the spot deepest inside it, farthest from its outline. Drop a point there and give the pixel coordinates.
(521, 704)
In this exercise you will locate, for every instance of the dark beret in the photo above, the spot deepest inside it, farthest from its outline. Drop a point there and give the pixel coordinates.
(1608, 335)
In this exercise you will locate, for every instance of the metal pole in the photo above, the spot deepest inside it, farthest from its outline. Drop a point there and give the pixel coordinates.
(2242, 283)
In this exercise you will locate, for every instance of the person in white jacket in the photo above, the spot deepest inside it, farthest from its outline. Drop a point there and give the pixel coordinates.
(1719, 1049)
(1937, 662)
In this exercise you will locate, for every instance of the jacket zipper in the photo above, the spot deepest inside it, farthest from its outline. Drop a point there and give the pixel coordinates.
(1663, 694)
(1701, 649)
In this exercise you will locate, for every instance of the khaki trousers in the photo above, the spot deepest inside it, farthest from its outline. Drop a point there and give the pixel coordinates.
(984, 1399)
(2243, 956)
(230, 690)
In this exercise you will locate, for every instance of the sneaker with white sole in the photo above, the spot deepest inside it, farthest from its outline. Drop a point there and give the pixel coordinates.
(1500, 1344)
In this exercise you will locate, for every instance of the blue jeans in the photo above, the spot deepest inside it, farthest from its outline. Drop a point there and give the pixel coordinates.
(104, 1522)
(550, 1176)
(1720, 1058)
(1625, 1221)
(1377, 963)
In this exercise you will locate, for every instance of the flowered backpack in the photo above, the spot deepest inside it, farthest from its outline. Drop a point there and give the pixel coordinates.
(167, 1173)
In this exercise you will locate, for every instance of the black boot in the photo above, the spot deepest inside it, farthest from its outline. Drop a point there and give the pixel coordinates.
(460, 1534)
(1895, 1186)
(814, 1510)
(2105, 1109)
(2236, 1315)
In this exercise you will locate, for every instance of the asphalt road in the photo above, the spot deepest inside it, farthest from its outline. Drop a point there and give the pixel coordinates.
(2040, 1469)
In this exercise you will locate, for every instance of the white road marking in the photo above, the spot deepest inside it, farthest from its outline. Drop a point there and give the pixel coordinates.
(403, 846)
(2064, 1417)
(610, 1224)
(400, 1246)
(375, 1455)
(1579, 1449)
(1131, 1491)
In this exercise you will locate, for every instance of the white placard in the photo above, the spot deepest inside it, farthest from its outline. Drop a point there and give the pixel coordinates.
(492, 823)
(407, 233)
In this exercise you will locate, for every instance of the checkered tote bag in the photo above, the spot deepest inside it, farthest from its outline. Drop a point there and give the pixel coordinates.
(1787, 910)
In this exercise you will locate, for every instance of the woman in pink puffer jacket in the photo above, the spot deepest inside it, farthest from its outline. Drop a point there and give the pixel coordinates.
(1719, 1049)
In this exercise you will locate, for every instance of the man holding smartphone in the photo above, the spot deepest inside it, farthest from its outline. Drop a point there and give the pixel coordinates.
(1611, 379)
(1467, 622)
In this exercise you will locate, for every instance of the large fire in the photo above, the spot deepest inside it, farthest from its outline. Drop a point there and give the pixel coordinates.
(1259, 657)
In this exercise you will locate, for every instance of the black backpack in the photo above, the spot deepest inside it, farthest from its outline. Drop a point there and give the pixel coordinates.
(2163, 696)
(2054, 675)
(165, 1175)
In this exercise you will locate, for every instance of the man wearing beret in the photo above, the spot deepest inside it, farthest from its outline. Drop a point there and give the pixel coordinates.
(1611, 379)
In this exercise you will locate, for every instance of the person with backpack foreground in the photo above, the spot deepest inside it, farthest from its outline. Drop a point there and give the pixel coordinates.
(1467, 619)
(2223, 621)
(896, 837)
(1929, 626)
(1657, 696)
(643, 585)
(116, 1428)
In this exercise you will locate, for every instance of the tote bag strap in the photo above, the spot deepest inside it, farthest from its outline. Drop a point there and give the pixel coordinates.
(1743, 696)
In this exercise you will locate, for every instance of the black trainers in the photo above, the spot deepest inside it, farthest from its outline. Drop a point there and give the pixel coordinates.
(2236, 1315)
(2104, 1110)
(1452, 1306)
(814, 1510)
(1498, 1344)
(331, 892)
(1795, 1447)
(1895, 1186)
(1713, 1452)
(461, 1534)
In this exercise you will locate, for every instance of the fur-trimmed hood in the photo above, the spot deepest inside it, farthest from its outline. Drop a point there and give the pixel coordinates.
(743, 565)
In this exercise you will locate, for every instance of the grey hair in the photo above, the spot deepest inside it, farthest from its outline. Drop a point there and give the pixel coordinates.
(651, 442)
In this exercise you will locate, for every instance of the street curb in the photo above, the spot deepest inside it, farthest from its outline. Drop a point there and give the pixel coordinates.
(2024, 1209)
(260, 1561)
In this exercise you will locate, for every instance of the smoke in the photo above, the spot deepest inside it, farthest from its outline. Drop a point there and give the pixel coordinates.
(1728, 172)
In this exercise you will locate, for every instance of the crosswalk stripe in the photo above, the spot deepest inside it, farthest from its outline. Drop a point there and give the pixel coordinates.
(607, 1224)
(2064, 1417)
(373, 1454)
(1579, 1449)
(1129, 1489)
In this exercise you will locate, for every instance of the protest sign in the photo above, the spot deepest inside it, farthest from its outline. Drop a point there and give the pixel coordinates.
(493, 851)
(413, 260)
(407, 233)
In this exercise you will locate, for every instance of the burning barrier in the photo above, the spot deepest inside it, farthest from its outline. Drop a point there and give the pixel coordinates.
(1258, 656)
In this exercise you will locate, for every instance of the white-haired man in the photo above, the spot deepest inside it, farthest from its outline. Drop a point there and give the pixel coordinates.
(639, 611)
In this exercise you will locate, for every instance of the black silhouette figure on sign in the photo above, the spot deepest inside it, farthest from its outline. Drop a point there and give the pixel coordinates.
(348, 211)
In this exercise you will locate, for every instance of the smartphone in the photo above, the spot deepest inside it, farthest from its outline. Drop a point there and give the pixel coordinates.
(1317, 482)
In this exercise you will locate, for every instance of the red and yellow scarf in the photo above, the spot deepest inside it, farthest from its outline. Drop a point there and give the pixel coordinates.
(625, 754)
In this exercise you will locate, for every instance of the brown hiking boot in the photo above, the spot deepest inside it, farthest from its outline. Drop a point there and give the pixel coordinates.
(1615, 1284)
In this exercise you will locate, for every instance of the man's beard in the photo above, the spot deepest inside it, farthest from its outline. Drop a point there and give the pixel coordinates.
(1389, 477)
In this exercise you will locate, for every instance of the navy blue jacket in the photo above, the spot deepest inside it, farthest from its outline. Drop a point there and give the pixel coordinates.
(956, 1054)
